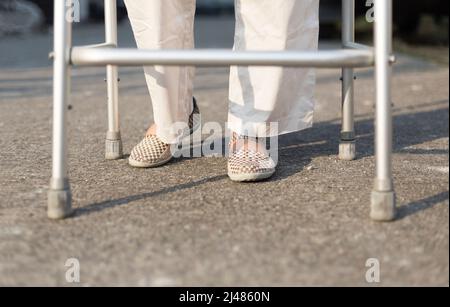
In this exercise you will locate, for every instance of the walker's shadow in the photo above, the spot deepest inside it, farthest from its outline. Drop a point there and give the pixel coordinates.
(421, 205)
(108, 204)
(299, 149)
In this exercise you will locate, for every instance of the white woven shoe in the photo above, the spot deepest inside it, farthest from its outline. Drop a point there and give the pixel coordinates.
(152, 152)
(248, 164)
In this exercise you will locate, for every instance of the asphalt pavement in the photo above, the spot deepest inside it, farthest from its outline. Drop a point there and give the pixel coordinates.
(186, 223)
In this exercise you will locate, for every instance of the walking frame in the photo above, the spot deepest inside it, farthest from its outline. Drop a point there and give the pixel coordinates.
(351, 56)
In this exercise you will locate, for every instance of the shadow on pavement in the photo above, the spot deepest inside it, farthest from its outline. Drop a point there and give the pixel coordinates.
(297, 150)
(421, 205)
(128, 199)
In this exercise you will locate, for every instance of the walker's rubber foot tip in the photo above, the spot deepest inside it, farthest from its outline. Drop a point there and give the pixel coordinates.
(382, 206)
(347, 151)
(59, 204)
(113, 149)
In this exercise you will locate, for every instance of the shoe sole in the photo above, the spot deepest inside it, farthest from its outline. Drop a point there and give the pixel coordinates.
(250, 177)
(139, 164)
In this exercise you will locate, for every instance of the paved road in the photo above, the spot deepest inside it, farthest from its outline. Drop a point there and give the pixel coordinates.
(186, 223)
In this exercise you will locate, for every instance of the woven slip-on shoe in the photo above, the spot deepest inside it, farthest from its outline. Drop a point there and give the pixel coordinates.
(152, 152)
(246, 164)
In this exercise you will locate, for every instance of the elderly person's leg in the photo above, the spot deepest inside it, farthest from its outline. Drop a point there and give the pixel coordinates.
(262, 95)
(164, 24)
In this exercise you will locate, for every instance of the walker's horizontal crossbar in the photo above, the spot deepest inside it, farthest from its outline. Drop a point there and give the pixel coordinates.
(101, 56)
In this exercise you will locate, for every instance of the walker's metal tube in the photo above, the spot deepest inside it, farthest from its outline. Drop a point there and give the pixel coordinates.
(347, 146)
(212, 57)
(59, 197)
(113, 145)
(383, 196)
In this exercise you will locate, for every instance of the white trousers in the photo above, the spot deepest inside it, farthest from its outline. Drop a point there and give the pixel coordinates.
(258, 96)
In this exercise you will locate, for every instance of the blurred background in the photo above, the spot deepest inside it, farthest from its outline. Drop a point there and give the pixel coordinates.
(417, 22)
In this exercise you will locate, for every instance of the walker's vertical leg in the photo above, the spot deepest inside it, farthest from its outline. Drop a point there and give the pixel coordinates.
(59, 196)
(383, 195)
(347, 146)
(113, 143)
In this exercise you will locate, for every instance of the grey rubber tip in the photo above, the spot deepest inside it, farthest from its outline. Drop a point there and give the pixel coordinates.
(59, 204)
(382, 207)
(113, 149)
(347, 150)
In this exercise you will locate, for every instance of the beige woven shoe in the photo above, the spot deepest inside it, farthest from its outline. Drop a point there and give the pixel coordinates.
(152, 152)
(247, 164)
